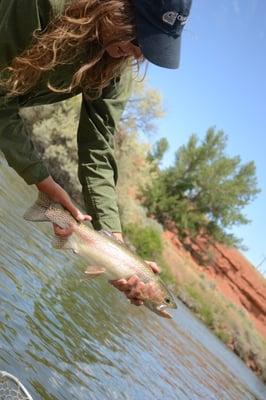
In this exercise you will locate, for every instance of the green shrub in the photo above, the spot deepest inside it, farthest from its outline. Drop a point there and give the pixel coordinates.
(207, 315)
(146, 240)
(223, 336)
(166, 274)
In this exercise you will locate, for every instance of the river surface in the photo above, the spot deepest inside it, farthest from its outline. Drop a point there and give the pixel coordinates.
(69, 339)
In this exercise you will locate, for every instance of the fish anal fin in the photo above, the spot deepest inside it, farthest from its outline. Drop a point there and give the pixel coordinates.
(94, 272)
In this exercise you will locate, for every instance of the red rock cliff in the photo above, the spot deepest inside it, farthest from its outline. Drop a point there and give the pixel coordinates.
(233, 274)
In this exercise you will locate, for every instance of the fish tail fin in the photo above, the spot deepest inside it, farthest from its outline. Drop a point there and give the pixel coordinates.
(37, 212)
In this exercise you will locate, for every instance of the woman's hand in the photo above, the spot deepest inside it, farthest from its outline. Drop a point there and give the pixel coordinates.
(133, 288)
(59, 195)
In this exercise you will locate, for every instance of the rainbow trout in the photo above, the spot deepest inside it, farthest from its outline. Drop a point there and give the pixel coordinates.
(112, 258)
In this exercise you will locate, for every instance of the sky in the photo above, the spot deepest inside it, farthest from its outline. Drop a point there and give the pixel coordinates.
(221, 83)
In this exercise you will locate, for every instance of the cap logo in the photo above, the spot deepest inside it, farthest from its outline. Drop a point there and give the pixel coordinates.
(171, 16)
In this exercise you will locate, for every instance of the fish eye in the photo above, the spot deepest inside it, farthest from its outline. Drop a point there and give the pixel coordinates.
(167, 300)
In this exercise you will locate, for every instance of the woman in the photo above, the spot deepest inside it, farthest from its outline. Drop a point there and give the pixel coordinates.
(51, 50)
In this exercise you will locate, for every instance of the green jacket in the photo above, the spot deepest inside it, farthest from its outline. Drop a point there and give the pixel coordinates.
(98, 118)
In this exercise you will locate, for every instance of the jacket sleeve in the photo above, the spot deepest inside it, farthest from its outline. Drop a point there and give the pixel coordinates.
(16, 144)
(15, 35)
(97, 165)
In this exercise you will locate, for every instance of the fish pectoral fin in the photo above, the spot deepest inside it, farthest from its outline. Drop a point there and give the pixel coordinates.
(94, 272)
(64, 243)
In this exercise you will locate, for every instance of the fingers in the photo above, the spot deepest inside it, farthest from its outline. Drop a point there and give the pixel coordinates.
(149, 291)
(120, 284)
(69, 230)
(133, 281)
(67, 203)
(64, 199)
(81, 217)
(153, 266)
(118, 236)
(132, 288)
(125, 285)
(62, 232)
(135, 290)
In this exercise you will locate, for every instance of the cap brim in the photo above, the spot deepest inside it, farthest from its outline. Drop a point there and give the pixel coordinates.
(158, 47)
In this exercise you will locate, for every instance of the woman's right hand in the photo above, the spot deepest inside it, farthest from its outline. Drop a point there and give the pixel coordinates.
(59, 195)
(134, 288)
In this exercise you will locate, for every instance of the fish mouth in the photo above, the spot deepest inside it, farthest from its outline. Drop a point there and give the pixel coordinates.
(161, 311)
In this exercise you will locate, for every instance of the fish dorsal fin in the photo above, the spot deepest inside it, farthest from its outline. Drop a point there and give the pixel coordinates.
(64, 243)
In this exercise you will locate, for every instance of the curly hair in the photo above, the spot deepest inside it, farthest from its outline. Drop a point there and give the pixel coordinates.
(85, 25)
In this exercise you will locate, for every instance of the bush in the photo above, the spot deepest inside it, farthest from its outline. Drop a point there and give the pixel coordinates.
(223, 336)
(146, 240)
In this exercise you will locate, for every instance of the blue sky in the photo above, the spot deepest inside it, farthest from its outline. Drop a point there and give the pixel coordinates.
(222, 82)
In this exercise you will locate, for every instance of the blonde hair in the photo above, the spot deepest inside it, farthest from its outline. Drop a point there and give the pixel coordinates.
(88, 26)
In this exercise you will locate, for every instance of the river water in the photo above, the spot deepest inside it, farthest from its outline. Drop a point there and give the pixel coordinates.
(69, 339)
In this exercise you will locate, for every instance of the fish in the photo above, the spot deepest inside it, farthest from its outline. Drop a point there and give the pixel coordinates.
(104, 254)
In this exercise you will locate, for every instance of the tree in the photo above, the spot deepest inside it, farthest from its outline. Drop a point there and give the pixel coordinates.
(53, 129)
(136, 170)
(158, 150)
(143, 108)
(205, 191)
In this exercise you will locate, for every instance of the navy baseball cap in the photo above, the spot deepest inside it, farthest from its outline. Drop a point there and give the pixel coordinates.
(159, 27)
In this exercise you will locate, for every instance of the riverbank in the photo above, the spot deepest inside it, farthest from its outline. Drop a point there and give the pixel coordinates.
(213, 297)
